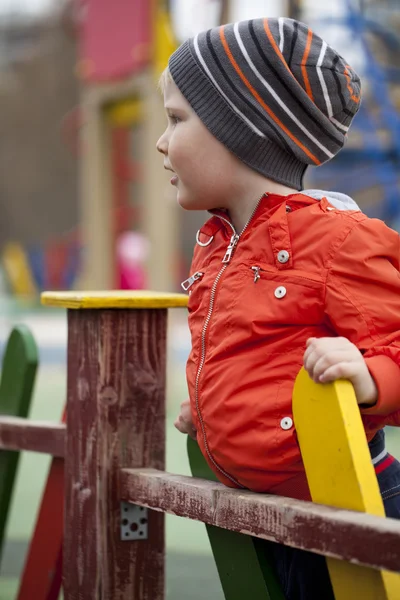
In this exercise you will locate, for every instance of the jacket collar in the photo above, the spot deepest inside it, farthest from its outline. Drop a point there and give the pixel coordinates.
(274, 209)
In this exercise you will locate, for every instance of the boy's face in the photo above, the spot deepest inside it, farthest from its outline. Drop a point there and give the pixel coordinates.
(204, 170)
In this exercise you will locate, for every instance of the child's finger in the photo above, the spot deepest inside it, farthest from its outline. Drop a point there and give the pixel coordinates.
(330, 359)
(181, 425)
(342, 370)
(310, 361)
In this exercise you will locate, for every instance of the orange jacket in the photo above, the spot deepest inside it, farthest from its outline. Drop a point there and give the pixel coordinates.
(299, 269)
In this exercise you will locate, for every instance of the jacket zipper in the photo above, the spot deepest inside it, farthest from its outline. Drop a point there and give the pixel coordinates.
(256, 271)
(191, 280)
(226, 260)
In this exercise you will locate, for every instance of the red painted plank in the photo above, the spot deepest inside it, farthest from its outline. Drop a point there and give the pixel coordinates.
(37, 436)
(56, 261)
(116, 419)
(352, 536)
(40, 574)
(55, 587)
(115, 40)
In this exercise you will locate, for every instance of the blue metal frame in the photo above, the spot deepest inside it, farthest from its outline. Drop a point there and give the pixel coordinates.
(375, 163)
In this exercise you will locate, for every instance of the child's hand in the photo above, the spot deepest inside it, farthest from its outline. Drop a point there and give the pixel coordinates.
(183, 422)
(327, 359)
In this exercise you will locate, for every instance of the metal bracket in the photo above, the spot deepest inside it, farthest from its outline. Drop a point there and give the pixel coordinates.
(133, 522)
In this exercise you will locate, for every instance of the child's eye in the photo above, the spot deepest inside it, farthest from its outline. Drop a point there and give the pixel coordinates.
(174, 119)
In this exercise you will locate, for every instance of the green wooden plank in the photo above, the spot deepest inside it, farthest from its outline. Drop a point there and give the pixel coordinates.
(242, 561)
(16, 387)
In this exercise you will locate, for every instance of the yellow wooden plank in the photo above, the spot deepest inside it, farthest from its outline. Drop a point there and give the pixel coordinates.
(353, 582)
(340, 473)
(124, 113)
(17, 268)
(330, 432)
(114, 299)
(164, 40)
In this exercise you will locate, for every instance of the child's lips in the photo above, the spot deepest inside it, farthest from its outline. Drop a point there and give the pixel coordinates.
(174, 178)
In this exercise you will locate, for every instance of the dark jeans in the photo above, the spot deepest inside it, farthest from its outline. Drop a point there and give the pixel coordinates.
(304, 575)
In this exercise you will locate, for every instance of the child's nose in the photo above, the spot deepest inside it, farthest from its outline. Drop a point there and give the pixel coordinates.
(162, 144)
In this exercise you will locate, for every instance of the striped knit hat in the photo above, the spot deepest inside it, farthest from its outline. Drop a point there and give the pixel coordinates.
(271, 91)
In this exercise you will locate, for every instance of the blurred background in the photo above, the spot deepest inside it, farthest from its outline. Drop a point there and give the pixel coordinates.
(85, 203)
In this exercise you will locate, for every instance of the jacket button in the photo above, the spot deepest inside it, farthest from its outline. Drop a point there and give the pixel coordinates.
(286, 423)
(283, 256)
(280, 292)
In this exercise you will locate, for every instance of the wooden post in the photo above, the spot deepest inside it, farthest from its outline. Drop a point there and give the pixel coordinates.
(115, 419)
(160, 209)
(158, 196)
(96, 194)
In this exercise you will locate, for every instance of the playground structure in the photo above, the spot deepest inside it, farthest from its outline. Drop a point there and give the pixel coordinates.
(367, 168)
(114, 129)
(120, 115)
(112, 452)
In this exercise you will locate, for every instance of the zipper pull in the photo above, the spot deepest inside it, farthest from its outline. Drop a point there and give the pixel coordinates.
(230, 248)
(256, 273)
(190, 281)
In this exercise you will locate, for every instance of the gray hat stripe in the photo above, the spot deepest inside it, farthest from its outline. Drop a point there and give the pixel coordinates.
(338, 84)
(224, 72)
(226, 77)
(322, 80)
(212, 51)
(333, 65)
(231, 104)
(281, 106)
(294, 40)
(255, 107)
(326, 80)
(276, 111)
(292, 96)
(332, 81)
(300, 97)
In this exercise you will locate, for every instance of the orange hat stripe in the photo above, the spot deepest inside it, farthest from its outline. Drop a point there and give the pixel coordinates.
(261, 101)
(303, 65)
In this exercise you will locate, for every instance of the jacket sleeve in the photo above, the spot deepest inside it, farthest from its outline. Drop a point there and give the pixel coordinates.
(363, 305)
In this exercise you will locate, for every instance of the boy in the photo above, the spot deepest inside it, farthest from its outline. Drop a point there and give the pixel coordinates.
(280, 278)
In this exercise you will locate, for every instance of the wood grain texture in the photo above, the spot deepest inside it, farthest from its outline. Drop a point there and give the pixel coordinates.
(116, 418)
(36, 436)
(352, 536)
